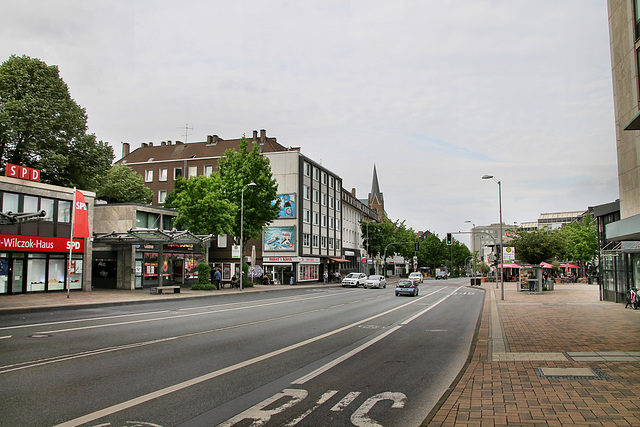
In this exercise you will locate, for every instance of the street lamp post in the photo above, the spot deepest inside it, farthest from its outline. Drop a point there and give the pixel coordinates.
(242, 230)
(500, 259)
(473, 251)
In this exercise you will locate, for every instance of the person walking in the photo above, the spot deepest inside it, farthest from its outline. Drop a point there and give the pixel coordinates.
(326, 276)
(217, 279)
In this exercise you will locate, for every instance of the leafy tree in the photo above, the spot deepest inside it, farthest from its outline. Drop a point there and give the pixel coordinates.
(536, 246)
(580, 240)
(261, 206)
(202, 207)
(433, 252)
(42, 127)
(123, 185)
(380, 234)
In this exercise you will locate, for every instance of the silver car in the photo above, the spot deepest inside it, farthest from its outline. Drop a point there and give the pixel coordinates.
(354, 280)
(416, 277)
(375, 281)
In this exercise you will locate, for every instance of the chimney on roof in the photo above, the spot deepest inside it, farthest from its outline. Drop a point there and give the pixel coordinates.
(255, 136)
(263, 136)
(168, 142)
(126, 149)
(178, 142)
(151, 144)
(212, 139)
(164, 143)
(144, 145)
(353, 192)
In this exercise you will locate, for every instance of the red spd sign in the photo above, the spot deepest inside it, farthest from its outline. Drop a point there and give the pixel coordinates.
(40, 244)
(22, 172)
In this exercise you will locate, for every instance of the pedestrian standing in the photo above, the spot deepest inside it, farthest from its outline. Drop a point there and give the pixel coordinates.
(217, 279)
(326, 276)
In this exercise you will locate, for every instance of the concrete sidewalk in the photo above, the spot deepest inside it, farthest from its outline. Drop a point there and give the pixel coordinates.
(552, 359)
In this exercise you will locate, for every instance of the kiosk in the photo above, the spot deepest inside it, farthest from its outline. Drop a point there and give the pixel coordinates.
(530, 279)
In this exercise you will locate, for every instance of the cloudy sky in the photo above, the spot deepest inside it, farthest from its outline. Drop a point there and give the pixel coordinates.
(436, 94)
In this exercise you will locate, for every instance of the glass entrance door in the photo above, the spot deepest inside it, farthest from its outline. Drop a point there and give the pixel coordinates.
(17, 276)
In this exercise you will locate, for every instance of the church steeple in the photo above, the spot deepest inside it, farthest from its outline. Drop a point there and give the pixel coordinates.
(376, 198)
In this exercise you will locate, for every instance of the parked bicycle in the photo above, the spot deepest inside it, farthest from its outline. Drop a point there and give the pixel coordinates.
(633, 298)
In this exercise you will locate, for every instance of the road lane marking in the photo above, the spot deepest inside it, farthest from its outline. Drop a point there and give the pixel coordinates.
(365, 345)
(346, 401)
(214, 374)
(156, 319)
(326, 396)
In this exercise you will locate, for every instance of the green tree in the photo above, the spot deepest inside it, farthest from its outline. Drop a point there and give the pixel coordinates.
(202, 207)
(433, 252)
(42, 127)
(535, 246)
(261, 205)
(377, 235)
(123, 185)
(580, 240)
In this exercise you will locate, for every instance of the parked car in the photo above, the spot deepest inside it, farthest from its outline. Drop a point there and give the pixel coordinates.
(375, 281)
(416, 277)
(354, 280)
(407, 287)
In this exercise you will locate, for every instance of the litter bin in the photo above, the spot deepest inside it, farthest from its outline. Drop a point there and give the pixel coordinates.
(476, 281)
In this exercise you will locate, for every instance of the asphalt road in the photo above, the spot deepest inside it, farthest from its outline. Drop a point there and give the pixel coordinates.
(306, 357)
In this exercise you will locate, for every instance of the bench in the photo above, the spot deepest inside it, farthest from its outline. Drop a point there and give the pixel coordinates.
(162, 289)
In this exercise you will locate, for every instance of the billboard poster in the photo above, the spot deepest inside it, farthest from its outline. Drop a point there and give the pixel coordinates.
(287, 205)
(279, 238)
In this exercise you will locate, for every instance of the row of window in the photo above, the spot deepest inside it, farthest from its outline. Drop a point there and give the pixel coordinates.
(323, 220)
(324, 242)
(163, 173)
(319, 175)
(55, 210)
(323, 198)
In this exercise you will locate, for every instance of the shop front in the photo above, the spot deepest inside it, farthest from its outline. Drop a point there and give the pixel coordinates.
(291, 270)
(141, 258)
(39, 264)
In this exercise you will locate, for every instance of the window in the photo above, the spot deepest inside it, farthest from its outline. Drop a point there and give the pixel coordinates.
(162, 174)
(331, 181)
(306, 239)
(331, 222)
(337, 244)
(324, 199)
(337, 224)
(636, 6)
(47, 206)
(30, 204)
(324, 220)
(331, 204)
(305, 192)
(148, 175)
(316, 218)
(10, 202)
(316, 174)
(64, 211)
(331, 243)
(167, 222)
(324, 242)
(306, 217)
(177, 173)
(314, 238)
(193, 171)
(307, 169)
(316, 196)
(208, 170)
(162, 195)
(324, 178)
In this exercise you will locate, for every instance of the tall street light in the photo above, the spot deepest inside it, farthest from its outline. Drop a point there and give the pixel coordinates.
(500, 259)
(242, 230)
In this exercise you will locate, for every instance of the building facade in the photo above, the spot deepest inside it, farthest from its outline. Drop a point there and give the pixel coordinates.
(34, 254)
(355, 250)
(620, 267)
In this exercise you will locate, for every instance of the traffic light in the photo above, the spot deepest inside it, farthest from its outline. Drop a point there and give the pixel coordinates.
(417, 246)
(449, 239)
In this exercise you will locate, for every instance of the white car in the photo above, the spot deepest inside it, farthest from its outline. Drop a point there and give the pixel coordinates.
(354, 280)
(416, 277)
(375, 281)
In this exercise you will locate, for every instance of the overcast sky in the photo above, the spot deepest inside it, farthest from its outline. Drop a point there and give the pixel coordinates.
(436, 94)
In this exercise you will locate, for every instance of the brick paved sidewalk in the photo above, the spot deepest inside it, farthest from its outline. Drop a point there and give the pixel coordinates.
(512, 377)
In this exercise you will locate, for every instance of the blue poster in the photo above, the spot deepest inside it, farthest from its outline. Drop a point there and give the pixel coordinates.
(279, 238)
(287, 205)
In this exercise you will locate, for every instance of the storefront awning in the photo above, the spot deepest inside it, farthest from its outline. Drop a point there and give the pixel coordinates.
(149, 236)
(339, 259)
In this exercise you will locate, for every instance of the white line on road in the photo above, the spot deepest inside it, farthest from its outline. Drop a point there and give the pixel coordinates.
(197, 380)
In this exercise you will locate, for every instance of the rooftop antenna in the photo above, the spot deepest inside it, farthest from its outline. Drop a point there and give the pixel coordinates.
(186, 132)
